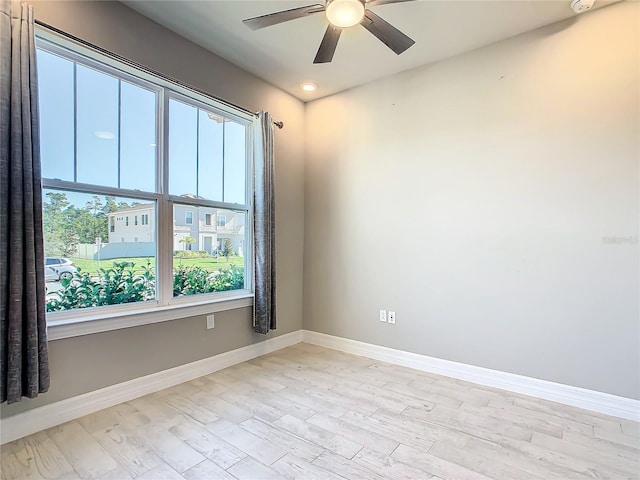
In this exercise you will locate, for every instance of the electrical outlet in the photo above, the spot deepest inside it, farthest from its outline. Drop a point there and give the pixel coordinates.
(210, 321)
(392, 317)
(383, 315)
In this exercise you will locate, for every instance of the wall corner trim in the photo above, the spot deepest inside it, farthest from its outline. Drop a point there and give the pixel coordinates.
(569, 395)
(47, 416)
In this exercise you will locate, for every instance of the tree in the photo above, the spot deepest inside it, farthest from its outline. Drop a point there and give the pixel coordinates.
(98, 219)
(59, 236)
(187, 241)
(227, 249)
(52, 209)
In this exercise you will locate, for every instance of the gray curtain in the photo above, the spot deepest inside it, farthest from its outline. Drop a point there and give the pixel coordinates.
(264, 232)
(24, 366)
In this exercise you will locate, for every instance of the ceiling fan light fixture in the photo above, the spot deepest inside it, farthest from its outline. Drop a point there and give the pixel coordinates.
(344, 13)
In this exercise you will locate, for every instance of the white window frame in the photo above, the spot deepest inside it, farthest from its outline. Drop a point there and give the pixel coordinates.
(188, 217)
(93, 320)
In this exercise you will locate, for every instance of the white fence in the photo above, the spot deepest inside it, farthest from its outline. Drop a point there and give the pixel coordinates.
(86, 250)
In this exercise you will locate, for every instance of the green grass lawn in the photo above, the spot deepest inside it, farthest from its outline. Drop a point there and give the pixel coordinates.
(208, 263)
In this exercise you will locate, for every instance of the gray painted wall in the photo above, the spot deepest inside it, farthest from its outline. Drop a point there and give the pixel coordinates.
(83, 364)
(482, 199)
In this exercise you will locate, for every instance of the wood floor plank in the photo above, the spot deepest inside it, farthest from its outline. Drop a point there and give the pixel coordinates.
(361, 436)
(276, 400)
(109, 417)
(211, 446)
(543, 460)
(408, 436)
(314, 402)
(294, 468)
(480, 463)
(389, 467)
(345, 468)
(222, 408)
(176, 453)
(433, 432)
(254, 405)
(259, 448)
(82, 451)
(434, 465)
(616, 464)
(41, 457)
(631, 454)
(128, 449)
(295, 445)
(251, 469)
(331, 441)
(474, 425)
(207, 470)
(161, 472)
(422, 394)
(190, 408)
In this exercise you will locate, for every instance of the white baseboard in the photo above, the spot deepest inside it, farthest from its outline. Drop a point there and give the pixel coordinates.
(577, 397)
(47, 416)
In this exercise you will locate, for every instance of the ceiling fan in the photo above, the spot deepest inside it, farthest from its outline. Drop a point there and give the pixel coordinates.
(341, 14)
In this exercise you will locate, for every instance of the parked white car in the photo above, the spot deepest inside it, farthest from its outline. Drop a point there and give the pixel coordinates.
(57, 268)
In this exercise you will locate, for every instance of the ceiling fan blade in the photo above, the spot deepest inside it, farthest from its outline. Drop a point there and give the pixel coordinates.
(386, 33)
(328, 45)
(373, 3)
(284, 16)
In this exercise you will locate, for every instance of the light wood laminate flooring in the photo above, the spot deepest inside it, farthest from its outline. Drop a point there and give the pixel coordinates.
(308, 412)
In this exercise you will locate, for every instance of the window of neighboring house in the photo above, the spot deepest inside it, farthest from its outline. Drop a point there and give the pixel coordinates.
(207, 219)
(114, 137)
(222, 220)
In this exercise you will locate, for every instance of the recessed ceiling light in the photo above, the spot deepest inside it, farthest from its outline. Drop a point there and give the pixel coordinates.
(104, 134)
(309, 87)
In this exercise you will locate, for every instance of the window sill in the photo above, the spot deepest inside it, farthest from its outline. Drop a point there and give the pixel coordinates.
(78, 324)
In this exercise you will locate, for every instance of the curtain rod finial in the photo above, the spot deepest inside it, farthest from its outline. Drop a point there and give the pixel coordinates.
(280, 125)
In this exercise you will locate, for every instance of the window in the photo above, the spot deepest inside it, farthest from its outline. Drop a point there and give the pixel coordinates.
(117, 142)
(222, 220)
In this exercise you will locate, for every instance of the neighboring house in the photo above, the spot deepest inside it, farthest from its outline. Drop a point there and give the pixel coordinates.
(208, 226)
(134, 224)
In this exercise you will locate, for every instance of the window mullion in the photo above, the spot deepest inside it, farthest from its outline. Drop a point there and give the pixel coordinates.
(164, 268)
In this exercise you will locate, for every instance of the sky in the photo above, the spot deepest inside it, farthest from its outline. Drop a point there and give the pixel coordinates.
(206, 155)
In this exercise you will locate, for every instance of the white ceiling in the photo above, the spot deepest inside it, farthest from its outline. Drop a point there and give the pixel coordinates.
(283, 54)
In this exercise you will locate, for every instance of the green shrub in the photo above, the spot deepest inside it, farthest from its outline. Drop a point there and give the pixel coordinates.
(119, 284)
(190, 253)
(113, 286)
(194, 279)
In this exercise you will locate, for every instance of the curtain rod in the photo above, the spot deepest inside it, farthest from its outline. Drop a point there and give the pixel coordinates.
(131, 63)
